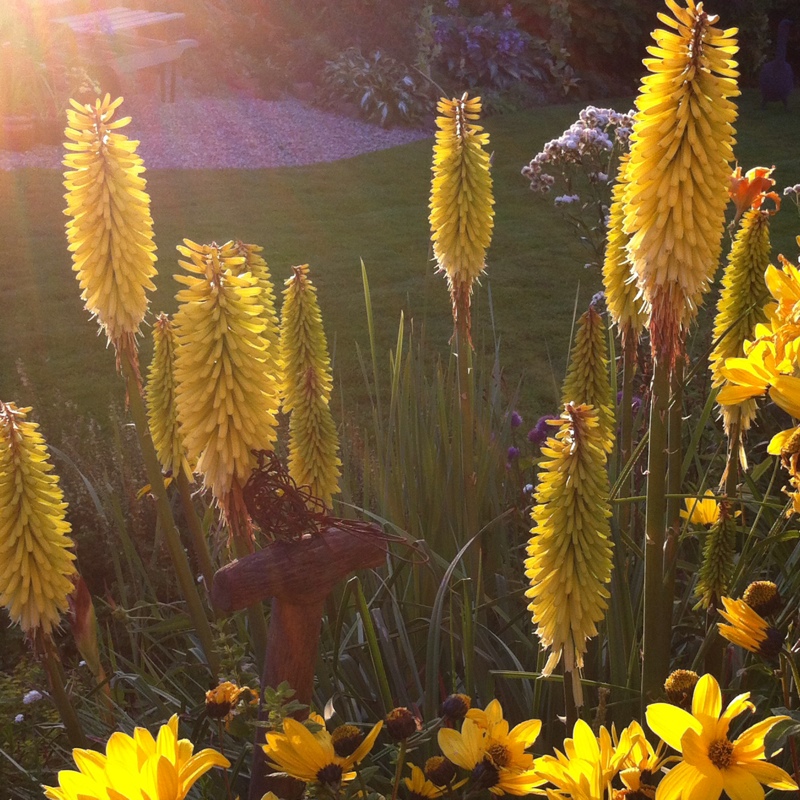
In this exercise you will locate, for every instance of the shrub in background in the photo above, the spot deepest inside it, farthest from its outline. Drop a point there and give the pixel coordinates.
(384, 90)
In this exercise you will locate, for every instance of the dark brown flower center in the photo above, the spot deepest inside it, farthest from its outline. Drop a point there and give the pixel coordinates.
(499, 754)
(331, 775)
(485, 775)
(720, 753)
(346, 739)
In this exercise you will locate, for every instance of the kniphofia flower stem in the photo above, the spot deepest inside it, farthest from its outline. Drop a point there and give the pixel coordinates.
(180, 562)
(58, 694)
(195, 527)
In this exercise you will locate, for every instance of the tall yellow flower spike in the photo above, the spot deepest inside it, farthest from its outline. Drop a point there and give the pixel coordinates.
(625, 305)
(569, 554)
(138, 767)
(461, 205)
(744, 288)
(256, 265)
(306, 393)
(36, 564)
(162, 411)
(679, 169)
(111, 231)
(225, 396)
(587, 379)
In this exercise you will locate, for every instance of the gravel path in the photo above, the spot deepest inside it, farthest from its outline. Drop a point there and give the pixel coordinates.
(234, 133)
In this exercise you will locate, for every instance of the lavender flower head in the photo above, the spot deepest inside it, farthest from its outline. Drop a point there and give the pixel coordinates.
(537, 435)
(516, 419)
(513, 453)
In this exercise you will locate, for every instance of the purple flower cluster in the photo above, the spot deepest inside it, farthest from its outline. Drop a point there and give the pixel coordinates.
(588, 142)
(487, 50)
(538, 434)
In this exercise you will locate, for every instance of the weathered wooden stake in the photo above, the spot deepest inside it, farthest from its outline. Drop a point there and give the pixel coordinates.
(298, 575)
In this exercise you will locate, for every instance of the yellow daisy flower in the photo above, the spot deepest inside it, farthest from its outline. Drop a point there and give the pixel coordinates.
(748, 629)
(221, 700)
(311, 757)
(701, 512)
(640, 766)
(137, 767)
(711, 761)
(420, 787)
(469, 750)
(506, 748)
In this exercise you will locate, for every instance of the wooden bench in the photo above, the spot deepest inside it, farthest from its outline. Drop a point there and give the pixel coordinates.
(113, 32)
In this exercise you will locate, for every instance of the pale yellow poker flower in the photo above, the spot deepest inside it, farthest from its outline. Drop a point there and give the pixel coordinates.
(506, 746)
(36, 562)
(569, 554)
(137, 767)
(110, 232)
(587, 380)
(311, 757)
(162, 410)
(748, 629)
(679, 169)
(741, 302)
(226, 398)
(306, 390)
(623, 299)
(711, 761)
(461, 205)
(256, 265)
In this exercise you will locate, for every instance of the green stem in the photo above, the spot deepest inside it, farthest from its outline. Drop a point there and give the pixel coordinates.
(199, 541)
(788, 661)
(180, 562)
(657, 613)
(674, 468)
(465, 391)
(59, 696)
(398, 772)
(626, 425)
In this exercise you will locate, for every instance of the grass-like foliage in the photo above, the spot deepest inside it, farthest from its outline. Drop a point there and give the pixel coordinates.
(586, 610)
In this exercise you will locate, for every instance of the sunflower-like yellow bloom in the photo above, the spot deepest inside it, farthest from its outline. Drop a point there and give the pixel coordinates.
(701, 512)
(506, 748)
(461, 206)
(36, 563)
(137, 767)
(162, 411)
(469, 749)
(226, 398)
(569, 554)
(748, 629)
(420, 787)
(306, 392)
(111, 231)
(679, 169)
(744, 291)
(587, 766)
(587, 381)
(711, 761)
(639, 768)
(623, 299)
(311, 757)
(222, 699)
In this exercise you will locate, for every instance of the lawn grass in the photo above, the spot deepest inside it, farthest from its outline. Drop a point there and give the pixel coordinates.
(373, 207)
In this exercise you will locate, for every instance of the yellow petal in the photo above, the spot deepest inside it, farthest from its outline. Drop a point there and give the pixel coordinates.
(670, 723)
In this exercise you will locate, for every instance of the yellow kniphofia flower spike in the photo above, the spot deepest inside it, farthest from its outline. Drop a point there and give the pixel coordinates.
(461, 205)
(137, 767)
(306, 390)
(162, 410)
(744, 290)
(679, 169)
(226, 398)
(36, 562)
(711, 761)
(624, 302)
(110, 232)
(569, 554)
(587, 380)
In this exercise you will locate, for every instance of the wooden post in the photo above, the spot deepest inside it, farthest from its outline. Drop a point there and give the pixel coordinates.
(297, 575)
